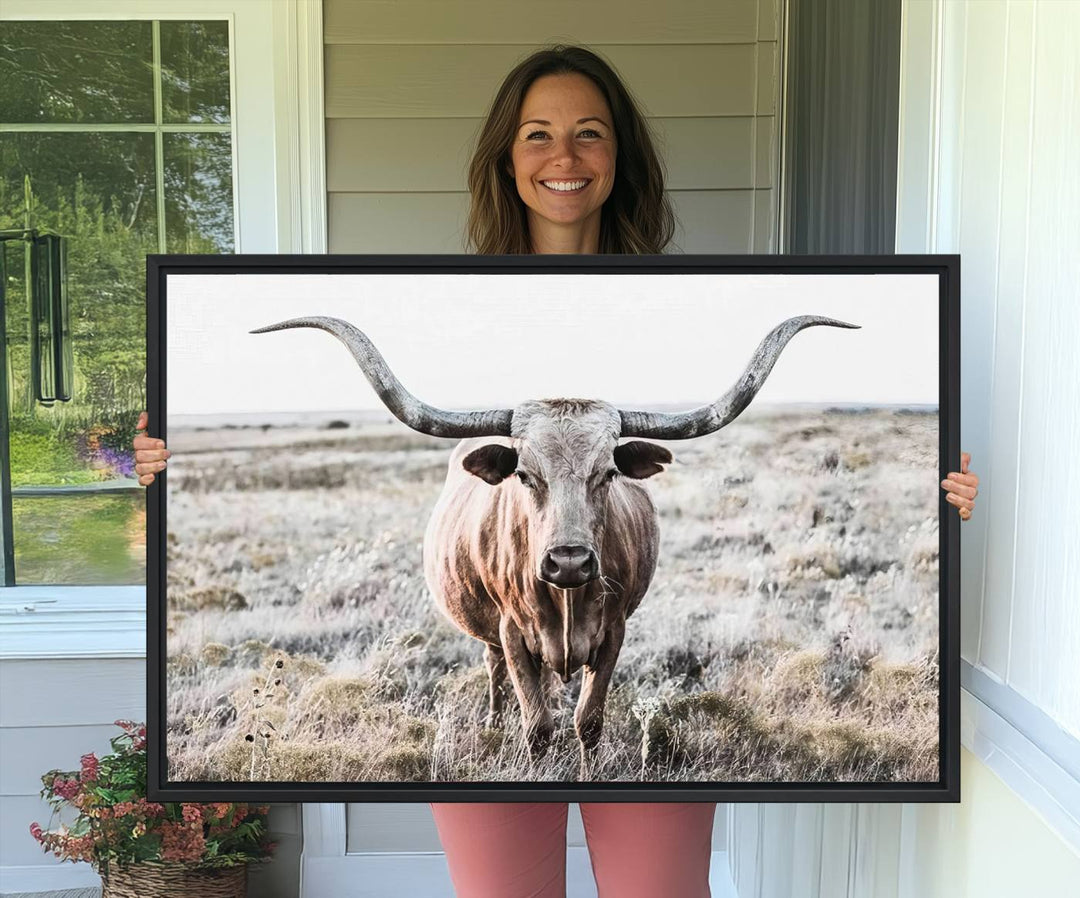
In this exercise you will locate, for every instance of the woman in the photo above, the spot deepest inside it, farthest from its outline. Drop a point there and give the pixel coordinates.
(565, 164)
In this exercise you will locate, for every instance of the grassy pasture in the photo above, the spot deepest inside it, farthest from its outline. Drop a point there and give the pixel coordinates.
(790, 633)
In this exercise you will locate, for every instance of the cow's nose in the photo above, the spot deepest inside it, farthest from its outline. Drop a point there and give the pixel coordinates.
(569, 566)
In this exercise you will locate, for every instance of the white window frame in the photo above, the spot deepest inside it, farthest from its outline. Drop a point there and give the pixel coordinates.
(279, 201)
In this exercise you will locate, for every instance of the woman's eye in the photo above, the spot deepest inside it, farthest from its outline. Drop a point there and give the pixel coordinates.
(537, 134)
(589, 132)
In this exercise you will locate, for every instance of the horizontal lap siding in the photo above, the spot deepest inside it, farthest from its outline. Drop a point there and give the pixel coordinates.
(408, 84)
(409, 81)
(54, 711)
(380, 155)
(460, 80)
(477, 22)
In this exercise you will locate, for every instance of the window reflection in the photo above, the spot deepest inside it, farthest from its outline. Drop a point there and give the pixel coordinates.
(78, 513)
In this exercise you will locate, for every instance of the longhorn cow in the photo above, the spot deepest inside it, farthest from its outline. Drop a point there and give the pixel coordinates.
(544, 541)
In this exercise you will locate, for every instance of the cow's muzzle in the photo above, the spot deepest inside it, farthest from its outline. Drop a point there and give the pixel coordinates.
(569, 566)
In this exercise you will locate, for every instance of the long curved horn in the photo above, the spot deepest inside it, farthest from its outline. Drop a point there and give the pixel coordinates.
(708, 418)
(406, 407)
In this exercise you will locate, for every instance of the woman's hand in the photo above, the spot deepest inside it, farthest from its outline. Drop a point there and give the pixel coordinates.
(962, 487)
(150, 454)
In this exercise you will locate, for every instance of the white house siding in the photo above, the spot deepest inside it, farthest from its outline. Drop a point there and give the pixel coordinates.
(989, 143)
(51, 712)
(408, 82)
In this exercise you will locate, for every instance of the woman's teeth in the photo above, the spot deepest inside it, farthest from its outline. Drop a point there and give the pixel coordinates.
(564, 186)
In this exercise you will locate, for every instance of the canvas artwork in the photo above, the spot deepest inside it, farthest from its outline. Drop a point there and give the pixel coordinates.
(466, 528)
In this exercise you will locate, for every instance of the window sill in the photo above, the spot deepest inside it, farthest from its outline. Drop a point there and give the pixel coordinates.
(1033, 757)
(73, 622)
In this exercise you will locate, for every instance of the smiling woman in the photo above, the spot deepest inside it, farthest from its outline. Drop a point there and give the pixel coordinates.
(560, 118)
(563, 162)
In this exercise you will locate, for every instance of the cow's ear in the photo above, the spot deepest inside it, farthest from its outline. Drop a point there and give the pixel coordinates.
(492, 463)
(639, 460)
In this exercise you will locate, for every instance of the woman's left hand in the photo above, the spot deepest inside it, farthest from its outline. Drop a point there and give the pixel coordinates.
(962, 487)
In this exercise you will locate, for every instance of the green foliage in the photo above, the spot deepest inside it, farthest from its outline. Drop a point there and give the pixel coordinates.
(87, 539)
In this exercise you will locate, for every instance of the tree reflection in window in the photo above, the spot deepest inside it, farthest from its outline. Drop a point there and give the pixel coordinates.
(118, 136)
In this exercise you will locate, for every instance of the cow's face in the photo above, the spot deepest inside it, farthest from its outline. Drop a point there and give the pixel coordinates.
(566, 459)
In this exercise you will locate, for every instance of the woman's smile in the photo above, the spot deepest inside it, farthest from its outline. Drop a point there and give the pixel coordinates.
(564, 186)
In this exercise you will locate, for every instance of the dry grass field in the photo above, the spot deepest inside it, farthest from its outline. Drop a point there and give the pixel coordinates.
(790, 633)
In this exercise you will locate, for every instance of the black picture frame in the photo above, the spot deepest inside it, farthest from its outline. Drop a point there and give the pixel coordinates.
(947, 270)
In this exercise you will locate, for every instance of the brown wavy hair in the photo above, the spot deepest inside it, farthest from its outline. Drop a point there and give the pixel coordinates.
(637, 216)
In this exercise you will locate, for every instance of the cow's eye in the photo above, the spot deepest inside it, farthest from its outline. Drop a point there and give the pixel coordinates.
(524, 479)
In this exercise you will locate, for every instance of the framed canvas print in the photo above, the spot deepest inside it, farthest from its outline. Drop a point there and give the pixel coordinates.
(554, 528)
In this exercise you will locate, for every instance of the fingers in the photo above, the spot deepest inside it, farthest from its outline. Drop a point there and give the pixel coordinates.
(959, 501)
(971, 481)
(141, 440)
(150, 452)
(961, 488)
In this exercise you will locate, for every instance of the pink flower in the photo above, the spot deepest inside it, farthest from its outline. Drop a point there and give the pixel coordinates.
(89, 768)
(221, 809)
(181, 842)
(150, 808)
(192, 813)
(66, 789)
(36, 831)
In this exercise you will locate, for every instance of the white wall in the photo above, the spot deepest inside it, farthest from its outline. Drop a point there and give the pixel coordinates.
(989, 150)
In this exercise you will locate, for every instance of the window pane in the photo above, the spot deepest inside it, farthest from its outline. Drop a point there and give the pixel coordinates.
(76, 72)
(198, 193)
(98, 191)
(112, 174)
(81, 540)
(195, 71)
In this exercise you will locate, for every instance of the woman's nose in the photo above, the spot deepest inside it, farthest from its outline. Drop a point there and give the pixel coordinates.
(564, 149)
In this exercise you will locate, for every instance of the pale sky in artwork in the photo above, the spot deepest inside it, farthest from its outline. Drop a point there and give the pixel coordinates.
(472, 341)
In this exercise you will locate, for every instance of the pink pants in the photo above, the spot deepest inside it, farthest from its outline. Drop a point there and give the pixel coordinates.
(649, 850)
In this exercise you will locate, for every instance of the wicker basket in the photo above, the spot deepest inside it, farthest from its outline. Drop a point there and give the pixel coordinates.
(162, 880)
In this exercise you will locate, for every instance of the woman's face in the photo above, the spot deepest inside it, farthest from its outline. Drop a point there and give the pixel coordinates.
(563, 154)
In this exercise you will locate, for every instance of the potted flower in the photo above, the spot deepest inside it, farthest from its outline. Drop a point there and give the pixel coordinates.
(141, 847)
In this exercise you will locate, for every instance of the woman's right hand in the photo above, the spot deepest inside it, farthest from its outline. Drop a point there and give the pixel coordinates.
(150, 454)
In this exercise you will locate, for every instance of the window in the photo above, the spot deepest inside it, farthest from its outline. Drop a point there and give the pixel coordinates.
(117, 136)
